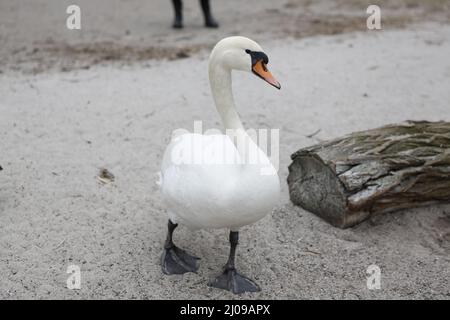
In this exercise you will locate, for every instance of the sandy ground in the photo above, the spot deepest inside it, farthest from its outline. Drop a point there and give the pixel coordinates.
(58, 128)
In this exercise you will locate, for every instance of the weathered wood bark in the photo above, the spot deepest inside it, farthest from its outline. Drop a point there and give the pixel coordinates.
(347, 180)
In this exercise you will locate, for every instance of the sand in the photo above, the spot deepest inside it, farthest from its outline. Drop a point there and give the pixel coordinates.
(59, 128)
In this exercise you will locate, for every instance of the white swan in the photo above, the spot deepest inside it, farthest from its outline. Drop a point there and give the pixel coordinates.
(219, 181)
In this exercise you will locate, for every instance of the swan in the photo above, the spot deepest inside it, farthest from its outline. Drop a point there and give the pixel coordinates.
(213, 180)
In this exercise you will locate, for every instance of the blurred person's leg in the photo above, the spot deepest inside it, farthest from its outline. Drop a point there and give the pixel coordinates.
(178, 8)
(210, 22)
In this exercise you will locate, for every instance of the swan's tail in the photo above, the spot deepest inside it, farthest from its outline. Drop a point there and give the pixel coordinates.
(159, 179)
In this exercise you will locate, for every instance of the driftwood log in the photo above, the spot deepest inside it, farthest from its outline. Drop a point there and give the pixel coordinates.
(349, 179)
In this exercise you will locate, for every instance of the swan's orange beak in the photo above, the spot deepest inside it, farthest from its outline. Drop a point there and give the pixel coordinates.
(260, 69)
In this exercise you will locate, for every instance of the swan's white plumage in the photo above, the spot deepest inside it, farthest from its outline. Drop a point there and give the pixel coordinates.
(217, 193)
(208, 182)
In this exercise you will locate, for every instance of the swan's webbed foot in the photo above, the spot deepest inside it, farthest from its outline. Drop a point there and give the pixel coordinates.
(177, 261)
(234, 282)
(230, 279)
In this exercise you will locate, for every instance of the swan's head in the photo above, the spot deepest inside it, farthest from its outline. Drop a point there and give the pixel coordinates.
(240, 53)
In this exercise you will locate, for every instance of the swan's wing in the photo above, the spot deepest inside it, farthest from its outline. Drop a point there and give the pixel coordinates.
(201, 189)
(193, 173)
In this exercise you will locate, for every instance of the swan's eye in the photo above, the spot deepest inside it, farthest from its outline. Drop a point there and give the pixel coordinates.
(257, 56)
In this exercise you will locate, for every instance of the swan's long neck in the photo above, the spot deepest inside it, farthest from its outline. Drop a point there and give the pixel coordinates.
(220, 81)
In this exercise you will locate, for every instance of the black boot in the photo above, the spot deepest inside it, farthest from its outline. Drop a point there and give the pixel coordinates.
(175, 260)
(230, 279)
(210, 22)
(178, 8)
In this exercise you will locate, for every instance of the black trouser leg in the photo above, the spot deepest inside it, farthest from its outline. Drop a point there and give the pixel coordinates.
(178, 8)
(209, 19)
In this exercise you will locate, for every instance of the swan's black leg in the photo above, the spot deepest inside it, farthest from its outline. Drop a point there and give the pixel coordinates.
(230, 279)
(175, 260)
